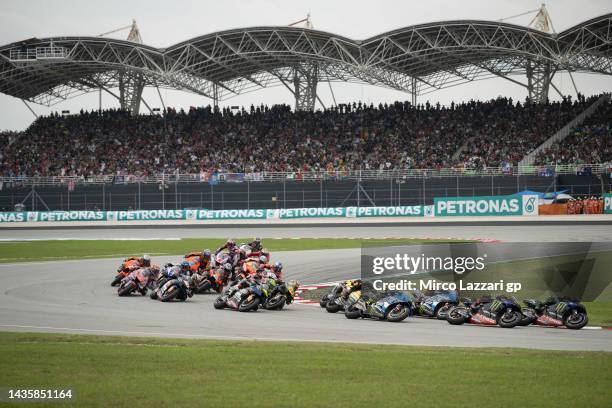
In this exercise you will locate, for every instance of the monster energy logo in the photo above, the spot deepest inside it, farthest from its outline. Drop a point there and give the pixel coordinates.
(560, 308)
(496, 304)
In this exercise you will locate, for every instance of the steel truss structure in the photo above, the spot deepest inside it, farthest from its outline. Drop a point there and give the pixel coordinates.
(418, 60)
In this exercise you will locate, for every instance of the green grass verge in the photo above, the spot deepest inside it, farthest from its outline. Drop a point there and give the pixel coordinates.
(600, 313)
(52, 250)
(134, 372)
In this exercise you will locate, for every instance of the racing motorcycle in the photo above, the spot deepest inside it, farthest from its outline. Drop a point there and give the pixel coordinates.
(554, 313)
(178, 288)
(137, 281)
(334, 301)
(280, 295)
(502, 311)
(213, 279)
(244, 300)
(392, 307)
(436, 305)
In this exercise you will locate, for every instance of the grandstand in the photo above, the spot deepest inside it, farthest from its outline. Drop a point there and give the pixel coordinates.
(517, 144)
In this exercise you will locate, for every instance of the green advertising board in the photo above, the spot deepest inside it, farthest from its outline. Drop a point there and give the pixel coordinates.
(607, 203)
(486, 206)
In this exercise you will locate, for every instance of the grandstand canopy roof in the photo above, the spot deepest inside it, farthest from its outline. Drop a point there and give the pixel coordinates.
(423, 58)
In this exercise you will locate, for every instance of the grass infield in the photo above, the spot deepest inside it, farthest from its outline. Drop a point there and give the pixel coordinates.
(56, 250)
(144, 372)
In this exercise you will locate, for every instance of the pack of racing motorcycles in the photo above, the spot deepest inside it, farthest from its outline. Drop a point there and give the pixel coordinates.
(241, 275)
(358, 300)
(245, 280)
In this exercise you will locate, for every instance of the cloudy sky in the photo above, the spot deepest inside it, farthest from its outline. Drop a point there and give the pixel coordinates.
(166, 22)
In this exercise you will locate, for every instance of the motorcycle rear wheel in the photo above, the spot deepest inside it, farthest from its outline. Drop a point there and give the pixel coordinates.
(528, 317)
(454, 317)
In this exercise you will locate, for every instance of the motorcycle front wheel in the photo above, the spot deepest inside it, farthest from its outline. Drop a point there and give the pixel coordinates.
(249, 304)
(528, 317)
(219, 303)
(170, 294)
(455, 317)
(276, 303)
(510, 319)
(125, 290)
(324, 300)
(204, 286)
(398, 313)
(442, 311)
(352, 313)
(576, 321)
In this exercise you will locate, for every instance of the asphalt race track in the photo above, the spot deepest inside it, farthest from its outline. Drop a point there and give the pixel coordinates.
(75, 297)
(512, 233)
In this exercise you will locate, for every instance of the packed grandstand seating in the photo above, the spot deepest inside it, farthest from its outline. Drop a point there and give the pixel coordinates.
(357, 136)
(591, 142)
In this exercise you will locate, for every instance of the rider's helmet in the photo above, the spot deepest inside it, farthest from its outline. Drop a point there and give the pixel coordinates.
(185, 265)
(278, 266)
(245, 249)
(228, 266)
(257, 240)
(263, 259)
(230, 243)
(146, 260)
(206, 253)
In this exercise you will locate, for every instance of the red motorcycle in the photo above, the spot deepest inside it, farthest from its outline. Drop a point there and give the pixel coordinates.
(137, 281)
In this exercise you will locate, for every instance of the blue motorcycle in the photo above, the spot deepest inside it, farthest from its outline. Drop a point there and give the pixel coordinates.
(392, 307)
(436, 304)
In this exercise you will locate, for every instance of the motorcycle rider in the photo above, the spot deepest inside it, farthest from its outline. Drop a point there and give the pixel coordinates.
(256, 245)
(350, 286)
(204, 259)
(129, 265)
(230, 245)
(175, 272)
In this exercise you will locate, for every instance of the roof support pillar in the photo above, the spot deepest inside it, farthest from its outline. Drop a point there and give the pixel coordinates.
(539, 75)
(413, 90)
(130, 91)
(305, 79)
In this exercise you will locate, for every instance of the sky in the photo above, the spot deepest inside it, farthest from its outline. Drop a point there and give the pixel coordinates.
(165, 22)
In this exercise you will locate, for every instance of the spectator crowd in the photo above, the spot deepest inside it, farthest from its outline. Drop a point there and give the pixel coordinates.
(473, 134)
(591, 142)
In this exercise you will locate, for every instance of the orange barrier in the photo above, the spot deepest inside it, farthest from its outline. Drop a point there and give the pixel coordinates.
(552, 209)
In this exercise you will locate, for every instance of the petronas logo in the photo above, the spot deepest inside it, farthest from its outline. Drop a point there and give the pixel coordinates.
(530, 205)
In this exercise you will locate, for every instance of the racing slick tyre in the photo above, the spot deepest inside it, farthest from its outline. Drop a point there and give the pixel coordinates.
(204, 286)
(153, 295)
(442, 311)
(276, 303)
(117, 280)
(576, 321)
(398, 313)
(528, 316)
(510, 319)
(332, 307)
(125, 290)
(454, 316)
(249, 304)
(352, 313)
(324, 300)
(219, 303)
(170, 293)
